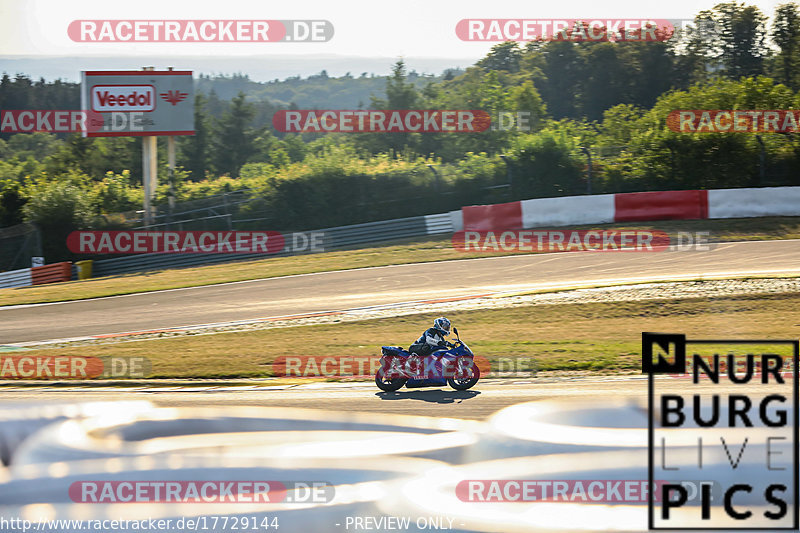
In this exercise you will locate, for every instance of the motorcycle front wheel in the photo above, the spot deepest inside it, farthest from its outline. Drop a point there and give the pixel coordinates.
(466, 380)
(388, 384)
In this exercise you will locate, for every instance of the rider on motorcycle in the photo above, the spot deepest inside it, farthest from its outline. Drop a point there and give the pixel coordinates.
(432, 339)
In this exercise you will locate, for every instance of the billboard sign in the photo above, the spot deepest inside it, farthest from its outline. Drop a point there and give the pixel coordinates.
(137, 103)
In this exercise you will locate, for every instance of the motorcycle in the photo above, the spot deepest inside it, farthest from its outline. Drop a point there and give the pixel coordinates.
(454, 366)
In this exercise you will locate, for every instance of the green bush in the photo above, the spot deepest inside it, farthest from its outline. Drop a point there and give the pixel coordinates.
(57, 208)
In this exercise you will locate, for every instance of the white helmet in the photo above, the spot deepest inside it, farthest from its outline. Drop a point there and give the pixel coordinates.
(442, 324)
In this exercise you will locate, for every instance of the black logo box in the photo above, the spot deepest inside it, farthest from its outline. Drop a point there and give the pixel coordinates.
(677, 366)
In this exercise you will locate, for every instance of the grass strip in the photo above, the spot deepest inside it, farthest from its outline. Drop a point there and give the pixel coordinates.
(600, 337)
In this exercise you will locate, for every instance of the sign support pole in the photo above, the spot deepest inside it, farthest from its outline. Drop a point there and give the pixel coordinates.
(171, 169)
(149, 171)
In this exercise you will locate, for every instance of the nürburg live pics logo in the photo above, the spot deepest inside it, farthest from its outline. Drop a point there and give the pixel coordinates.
(732, 421)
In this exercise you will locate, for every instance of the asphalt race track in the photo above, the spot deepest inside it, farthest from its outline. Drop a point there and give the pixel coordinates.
(384, 285)
(486, 398)
(364, 287)
(507, 429)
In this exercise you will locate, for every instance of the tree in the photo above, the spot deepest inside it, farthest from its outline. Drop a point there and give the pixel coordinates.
(741, 34)
(563, 70)
(11, 203)
(74, 154)
(294, 146)
(400, 94)
(234, 143)
(484, 91)
(786, 34)
(37, 145)
(504, 56)
(696, 53)
(95, 156)
(546, 164)
(606, 80)
(215, 106)
(620, 124)
(194, 153)
(654, 71)
(525, 98)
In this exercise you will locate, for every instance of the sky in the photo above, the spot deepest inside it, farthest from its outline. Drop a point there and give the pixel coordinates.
(408, 28)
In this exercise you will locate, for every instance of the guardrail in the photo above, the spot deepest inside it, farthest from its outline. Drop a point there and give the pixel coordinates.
(540, 212)
(52, 273)
(634, 206)
(332, 239)
(15, 278)
(26, 277)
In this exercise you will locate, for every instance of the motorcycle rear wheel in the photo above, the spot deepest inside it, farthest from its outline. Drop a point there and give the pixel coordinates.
(388, 384)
